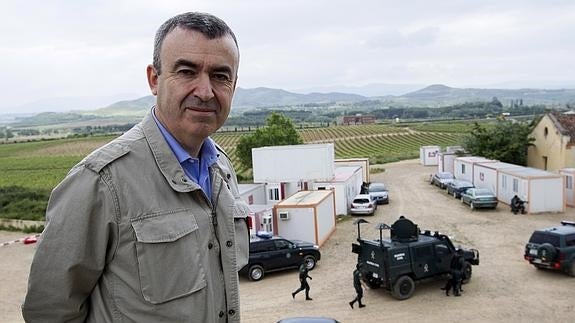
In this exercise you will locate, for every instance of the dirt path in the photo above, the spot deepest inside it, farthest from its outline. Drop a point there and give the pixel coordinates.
(504, 288)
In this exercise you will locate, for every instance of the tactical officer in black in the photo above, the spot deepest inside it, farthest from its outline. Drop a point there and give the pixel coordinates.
(357, 286)
(457, 268)
(303, 282)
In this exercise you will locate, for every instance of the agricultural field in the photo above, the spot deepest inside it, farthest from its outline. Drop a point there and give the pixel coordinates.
(31, 170)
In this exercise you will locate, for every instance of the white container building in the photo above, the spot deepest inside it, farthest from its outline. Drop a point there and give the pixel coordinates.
(542, 190)
(346, 184)
(569, 174)
(293, 163)
(463, 166)
(428, 155)
(362, 162)
(306, 215)
(485, 174)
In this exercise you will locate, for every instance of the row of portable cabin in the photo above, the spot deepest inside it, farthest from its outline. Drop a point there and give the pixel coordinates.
(542, 190)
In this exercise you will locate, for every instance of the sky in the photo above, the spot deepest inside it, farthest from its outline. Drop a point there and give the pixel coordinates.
(88, 54)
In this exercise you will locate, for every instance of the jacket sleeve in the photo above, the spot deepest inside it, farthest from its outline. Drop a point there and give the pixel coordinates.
(75, 246)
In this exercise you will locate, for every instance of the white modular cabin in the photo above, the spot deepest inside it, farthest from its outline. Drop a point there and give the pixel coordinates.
(445, 162)
(454, 149)
(293, 163)
(428, 155)
(346, 184)
(542, 190)
(463, 167)
(307, 216)
(485, 175)
(569, 174)
(253, 193)
(260, 218)
(362, 162)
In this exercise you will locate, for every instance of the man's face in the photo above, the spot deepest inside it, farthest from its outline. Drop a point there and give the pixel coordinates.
(195, 88)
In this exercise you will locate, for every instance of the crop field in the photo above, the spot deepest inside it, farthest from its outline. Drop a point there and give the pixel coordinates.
(37, 167)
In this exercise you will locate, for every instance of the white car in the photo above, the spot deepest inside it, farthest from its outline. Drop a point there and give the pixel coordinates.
(378, 193)
(363, 204)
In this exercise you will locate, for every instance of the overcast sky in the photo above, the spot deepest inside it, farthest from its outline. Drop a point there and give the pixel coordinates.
(100, 49)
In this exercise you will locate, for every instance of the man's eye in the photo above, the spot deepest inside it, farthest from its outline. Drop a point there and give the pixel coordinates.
(221, 77)
(186, 72)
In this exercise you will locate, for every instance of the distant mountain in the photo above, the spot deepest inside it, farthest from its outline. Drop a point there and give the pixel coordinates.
(441, 95)
(244, 99)
(369, 90)
(262, 97)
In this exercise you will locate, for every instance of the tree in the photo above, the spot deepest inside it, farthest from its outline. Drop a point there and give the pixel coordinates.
(507, 141)
(278, 131)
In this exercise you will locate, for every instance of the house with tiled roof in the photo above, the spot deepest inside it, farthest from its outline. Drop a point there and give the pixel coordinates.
(554, 145)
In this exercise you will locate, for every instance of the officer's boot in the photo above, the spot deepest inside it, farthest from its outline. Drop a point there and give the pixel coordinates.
(361, 305)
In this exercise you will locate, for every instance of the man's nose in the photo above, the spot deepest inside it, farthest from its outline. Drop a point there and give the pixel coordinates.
(203, 88)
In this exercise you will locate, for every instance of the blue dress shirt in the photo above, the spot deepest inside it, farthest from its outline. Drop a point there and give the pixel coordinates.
(197, 169)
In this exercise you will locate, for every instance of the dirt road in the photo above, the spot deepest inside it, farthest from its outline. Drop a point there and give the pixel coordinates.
(504, 288)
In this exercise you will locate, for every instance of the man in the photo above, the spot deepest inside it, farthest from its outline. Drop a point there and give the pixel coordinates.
(457, 267)
(357, 285)
(150, 227)
(303, 276)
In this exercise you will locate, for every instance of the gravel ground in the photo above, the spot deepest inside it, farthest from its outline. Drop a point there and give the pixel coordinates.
(504, 287)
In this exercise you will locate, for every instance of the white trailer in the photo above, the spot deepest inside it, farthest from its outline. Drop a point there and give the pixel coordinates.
(306, 215)
(463, 166)
(362, 162)
(346, 184)
(542, 190)
(428, 155)
(485, 174)
(260, 218)
(569, 174)
(293, 163)
(253, 193)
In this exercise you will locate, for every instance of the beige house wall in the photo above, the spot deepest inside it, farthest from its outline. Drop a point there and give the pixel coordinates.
(551, 144)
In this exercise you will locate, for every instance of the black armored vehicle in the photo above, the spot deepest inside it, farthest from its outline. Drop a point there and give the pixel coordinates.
(408, 256)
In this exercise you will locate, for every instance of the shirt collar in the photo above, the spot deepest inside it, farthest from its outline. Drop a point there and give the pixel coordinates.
(208, 151)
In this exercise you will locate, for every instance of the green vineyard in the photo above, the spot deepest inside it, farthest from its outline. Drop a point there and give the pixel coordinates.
(43, 164)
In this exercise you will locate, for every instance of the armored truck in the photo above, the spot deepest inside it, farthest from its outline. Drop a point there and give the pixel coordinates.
(408, 256)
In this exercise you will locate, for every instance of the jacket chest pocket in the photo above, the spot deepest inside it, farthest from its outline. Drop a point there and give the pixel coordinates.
(167, 247)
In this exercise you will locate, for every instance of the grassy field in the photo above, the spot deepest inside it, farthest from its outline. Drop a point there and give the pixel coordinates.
(31, 170)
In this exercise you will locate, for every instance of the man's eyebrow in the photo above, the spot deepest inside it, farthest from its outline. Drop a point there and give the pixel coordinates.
(184, 62)
(187, 63)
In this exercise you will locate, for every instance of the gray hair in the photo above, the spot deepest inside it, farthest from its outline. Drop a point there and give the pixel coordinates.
(208, 25)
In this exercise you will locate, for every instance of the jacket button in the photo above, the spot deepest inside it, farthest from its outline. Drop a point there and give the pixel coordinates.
(229, 243)
(210, 245)
(221, 314)
(231, 312)
(185, 180)
(228, 176)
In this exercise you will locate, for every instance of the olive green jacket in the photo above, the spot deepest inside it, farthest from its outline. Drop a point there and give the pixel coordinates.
(129, 238)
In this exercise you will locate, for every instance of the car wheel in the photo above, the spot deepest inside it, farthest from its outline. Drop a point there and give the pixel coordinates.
(546, 252)
(403, 288)
(467, 271)
(471, 206)
(454, 194)
(256, 272)
(309, 261)
(572, 271)
(462, 200)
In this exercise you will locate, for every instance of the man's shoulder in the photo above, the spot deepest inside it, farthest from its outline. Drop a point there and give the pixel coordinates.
(112, 151)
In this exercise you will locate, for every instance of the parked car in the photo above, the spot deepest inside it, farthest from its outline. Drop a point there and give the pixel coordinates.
(363, 204)
(553, 248)
(456, 187)
(274, 253)
(479, 198)
(379, 193)
(441, 179)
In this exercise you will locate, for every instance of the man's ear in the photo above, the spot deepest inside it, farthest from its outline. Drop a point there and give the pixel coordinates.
(152, 79)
